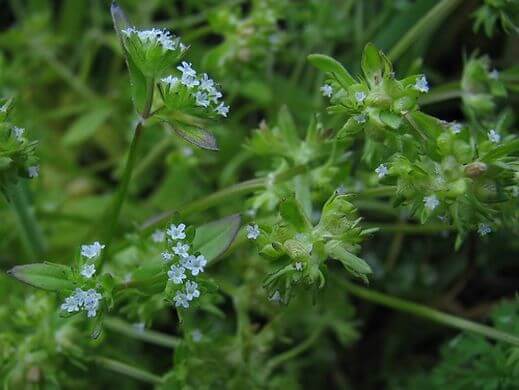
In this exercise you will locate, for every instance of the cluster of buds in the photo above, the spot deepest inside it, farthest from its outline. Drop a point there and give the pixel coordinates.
(466, 179)
(183, 267)
(301, 249)
(17, 153)
(249, 40)
(376, 103)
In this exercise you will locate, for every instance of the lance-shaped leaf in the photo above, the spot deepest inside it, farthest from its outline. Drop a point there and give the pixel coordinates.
(140, 85)
(328, 64)
(195, 135)
(47, 276)
(214, 238)
(354, 264)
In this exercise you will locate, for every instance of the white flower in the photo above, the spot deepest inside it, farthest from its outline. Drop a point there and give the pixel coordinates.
(341, 190)
(176, 232)
(327, 90)
(494, 75)
(381, 171)
(88, 270)
(298, 266)
(214, 95)
(87, 300)
(361, 118)
(181, 249)
(206, 83)
(186, 69)
(33, 171)
(222, 109)
(484, 229)
(421, 84)
(158, 236)
(189, 81)
(360, 96)
(276, 297)
(4, 107)
(71, 304)
(196, 335)
(91, 251)
(201, 99)
(155, 36)
(455, 127)
(177, 274)
(166, 256)
(192, 291)
(196, 264)
(91, 302)
(431, 202)
(494, 136)
(181, 300)
(253, 232)
(18, 133)
(170, 81)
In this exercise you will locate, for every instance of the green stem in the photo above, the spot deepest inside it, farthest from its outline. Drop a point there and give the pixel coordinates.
(31, 230)
(112, 216)
(217, 197)
(292, 353)
(426, 24)
(428, 313)
(151, 336)
(441, 93)
(409, 228)
(125, 369)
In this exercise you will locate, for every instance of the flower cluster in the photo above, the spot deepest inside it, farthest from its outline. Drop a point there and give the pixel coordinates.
(184, 267)
(86, 298)
(17, 153)
(188, 89)
(152, 51)
(302, 249)
(82, 300)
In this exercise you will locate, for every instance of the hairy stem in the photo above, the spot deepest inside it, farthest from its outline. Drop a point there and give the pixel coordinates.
(126, 369)
(428, 313)
(111, 218)
(31, 230)
(151, 336)
(426, 24)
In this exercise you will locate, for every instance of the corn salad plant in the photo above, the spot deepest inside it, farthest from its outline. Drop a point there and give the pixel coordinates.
(259, 194)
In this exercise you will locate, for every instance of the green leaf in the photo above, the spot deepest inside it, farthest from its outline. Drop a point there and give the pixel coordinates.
(292, 212)
(139, 83)
(47, 276)
(86, 126)
(287, 125)
(196, 136)
(373, 64)
(214, 238)
(328, 64)
(354, 264)
(391, 119)
(501, 151)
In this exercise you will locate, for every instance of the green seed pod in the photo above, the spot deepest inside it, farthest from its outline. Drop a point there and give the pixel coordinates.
(296, 249)
(406, 103)
(463, 151)
(457, 188)
(444, 143)
(475, 169)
